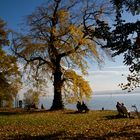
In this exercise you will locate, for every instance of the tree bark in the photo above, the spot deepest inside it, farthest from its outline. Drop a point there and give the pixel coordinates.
(0, 102)
(57, 101)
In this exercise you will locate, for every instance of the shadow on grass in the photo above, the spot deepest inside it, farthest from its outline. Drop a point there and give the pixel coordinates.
(18, 111)
(124, 133)
(56, 136)
(75, 112)
(120, 135)
(40, 137)
(7, 113)
(127, 132)
(111, 117)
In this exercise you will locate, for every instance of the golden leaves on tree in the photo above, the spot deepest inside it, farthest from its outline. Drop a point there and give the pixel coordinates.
(75, 87)
(9, 72)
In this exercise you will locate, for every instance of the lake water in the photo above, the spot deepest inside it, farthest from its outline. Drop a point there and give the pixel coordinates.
(99, 101)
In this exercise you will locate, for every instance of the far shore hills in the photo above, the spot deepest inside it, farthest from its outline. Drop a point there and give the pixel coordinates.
(113, 92)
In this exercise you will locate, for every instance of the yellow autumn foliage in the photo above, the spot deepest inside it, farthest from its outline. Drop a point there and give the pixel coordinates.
(63, 16)
(9, 72)
(76, 88)
(56, 45)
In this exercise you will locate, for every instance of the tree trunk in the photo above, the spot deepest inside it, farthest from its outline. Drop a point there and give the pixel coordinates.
(0, 102)
(57, 101)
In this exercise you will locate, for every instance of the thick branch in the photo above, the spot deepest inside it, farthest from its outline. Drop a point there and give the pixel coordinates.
(40, 59)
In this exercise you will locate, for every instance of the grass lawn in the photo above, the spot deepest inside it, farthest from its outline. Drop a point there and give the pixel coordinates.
(67, 125)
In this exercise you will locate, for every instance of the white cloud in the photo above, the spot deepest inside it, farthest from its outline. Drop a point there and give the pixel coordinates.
(117, 68)
(107, 79)
(106, 73)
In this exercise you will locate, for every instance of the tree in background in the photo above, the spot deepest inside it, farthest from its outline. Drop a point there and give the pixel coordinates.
(125, 39)
(56, 46)
(9, 73)
(121, 37)
(31, 99)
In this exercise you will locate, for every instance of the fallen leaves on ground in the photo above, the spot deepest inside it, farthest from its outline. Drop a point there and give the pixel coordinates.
(68, 124)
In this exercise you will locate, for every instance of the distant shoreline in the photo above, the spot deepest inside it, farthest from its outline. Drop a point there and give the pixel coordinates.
(115, 92)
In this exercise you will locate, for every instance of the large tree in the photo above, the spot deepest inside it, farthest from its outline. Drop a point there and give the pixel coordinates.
(56, 44)
(9, 73)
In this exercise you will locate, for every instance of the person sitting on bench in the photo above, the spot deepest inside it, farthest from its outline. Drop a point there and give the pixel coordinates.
(82, 107)
(122, 110)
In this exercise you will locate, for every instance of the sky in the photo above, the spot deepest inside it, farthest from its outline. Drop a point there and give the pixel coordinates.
(106, 77)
